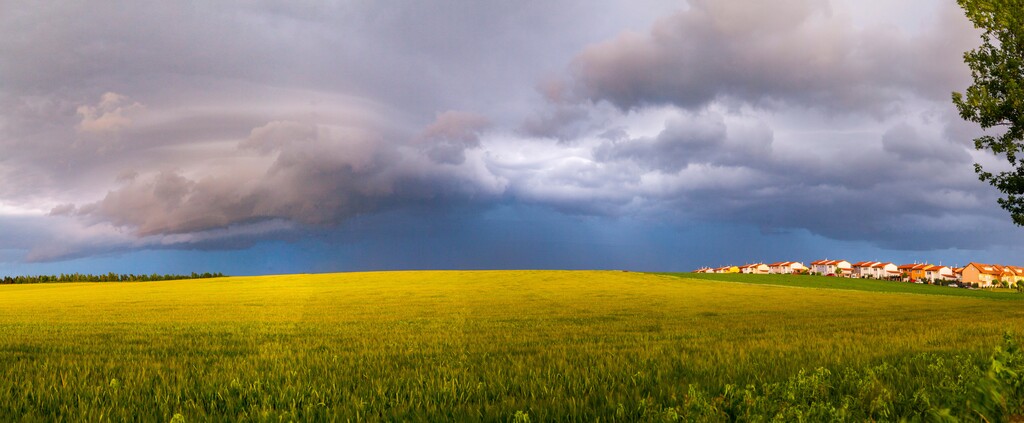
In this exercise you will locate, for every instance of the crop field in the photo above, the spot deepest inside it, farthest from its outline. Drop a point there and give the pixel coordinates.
(503, 346)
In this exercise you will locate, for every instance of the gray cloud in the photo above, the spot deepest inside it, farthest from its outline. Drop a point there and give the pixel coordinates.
(264, 120)
(564, 122)
(111, 115)
(904, 141)
(773, 54)
(902, 188)
(314, 175)
(692, 139)
(447, 138)
(683, 140)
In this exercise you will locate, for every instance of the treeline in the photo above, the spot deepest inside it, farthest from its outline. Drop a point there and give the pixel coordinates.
(109, 277)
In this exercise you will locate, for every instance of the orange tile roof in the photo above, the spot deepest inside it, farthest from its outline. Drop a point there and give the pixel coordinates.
(986, 269)
(914, 266)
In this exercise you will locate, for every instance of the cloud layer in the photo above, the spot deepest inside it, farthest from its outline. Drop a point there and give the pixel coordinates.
(274, 122)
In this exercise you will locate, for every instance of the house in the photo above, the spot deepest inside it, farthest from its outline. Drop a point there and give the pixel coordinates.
(887, 270)
(874, 269)
(1013, 274)
(755, 268)
(939, 273)
(958, 274)
(981, 274)
(728, 269)
(913, 272)
(786, 267)
(704, 270)
(831, 267)
(862, 269)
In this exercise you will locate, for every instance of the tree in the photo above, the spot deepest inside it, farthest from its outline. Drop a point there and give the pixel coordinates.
(996, 99)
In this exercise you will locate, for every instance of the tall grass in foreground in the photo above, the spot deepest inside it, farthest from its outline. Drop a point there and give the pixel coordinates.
(537, 345)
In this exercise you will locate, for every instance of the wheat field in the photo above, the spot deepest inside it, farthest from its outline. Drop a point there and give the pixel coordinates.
(489, 345)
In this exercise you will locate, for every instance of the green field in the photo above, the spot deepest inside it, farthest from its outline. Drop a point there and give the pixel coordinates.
(500, 345)
(871, 285)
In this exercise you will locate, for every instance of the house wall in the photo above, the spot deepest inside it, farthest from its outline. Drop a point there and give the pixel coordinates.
(942, 273)
(971, 275)
(844, 268)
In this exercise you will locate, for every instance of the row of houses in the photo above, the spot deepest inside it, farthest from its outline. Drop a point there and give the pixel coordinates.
(980, 274)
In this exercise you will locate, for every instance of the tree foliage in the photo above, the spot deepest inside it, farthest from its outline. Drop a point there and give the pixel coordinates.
(109, 277)
(996, 99)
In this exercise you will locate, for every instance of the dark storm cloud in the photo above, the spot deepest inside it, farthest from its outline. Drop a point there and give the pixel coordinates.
(907, 187)
(316, 175)
(216, 125)
(793, 53)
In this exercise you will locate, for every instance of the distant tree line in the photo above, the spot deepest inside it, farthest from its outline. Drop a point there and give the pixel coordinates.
(109, 277)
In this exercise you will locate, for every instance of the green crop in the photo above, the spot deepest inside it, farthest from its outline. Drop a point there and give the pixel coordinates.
(500, 346)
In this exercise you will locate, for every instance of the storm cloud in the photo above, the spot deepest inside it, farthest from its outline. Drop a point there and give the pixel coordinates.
(220, 126)
(793, 53)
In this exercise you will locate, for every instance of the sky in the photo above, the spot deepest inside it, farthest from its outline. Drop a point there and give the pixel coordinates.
(290, 137)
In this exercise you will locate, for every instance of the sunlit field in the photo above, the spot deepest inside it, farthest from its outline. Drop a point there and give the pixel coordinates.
(493, 345)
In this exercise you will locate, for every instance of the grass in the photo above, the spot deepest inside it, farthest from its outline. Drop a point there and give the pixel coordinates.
(490, 345)
(870, 285)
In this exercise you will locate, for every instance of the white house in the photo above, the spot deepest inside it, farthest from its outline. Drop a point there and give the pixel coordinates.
(874, 269)
(863, 269)
(786, 267)
(934, 273)
(831, 267)
(886, 270)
